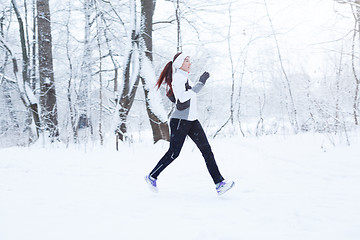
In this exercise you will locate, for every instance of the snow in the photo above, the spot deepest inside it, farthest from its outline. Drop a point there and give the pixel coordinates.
(154, 98)
(287, 187)
(3, 77)
(31, 96)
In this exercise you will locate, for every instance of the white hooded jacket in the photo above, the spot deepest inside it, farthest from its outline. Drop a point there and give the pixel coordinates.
(182, 94)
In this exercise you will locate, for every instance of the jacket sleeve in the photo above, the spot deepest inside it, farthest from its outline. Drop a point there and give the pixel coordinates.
(198, 86)
(179, 90)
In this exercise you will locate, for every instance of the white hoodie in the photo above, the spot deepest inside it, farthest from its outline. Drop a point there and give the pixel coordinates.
(178, 85)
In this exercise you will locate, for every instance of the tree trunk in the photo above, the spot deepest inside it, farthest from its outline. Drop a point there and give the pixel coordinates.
(178, 31)
(83, 116)
(31, 106)
(46, 72)
(25, 62)
(159, 128)
(337, 99)
(357, 80)
(98, 39)
(33, 53)
(72, 109)
(127, 96)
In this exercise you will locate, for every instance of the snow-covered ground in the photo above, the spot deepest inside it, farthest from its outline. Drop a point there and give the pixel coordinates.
(287, 187)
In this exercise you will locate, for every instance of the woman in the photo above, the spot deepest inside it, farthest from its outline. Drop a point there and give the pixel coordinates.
(184, 122)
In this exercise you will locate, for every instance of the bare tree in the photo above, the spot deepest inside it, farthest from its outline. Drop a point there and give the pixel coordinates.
(26, 96)
(139, 55)
(98, 39)
(356, 37)
(355, 7)
(337, 99)
(83, 99)
(292, 111)
(131, 79)
(31, 106)
(159, 127)
(234, 64)
(231, 117)
(72, 109)
(3, 80)
(46, 70)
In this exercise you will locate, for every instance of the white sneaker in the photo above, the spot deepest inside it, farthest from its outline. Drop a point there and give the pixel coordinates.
(151, 182)
(224, 186)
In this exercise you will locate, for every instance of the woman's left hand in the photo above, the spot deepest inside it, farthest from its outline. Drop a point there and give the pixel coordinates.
(204, 77)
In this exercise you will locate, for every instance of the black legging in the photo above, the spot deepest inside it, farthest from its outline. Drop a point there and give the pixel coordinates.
(180, 128)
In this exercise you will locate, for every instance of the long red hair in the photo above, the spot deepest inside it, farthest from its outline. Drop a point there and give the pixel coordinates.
(166, 76)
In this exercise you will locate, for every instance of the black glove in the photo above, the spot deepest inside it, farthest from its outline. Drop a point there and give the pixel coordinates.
(204, 77)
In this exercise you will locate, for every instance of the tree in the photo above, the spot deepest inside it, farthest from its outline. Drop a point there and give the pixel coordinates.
(131, 80)
(292, 112)
(98, 39)
(139, 58)
(159, 126)
(25, 92)
(356, 37)
(355, 7)
(46, 72)
(71, 106)
(3, 80)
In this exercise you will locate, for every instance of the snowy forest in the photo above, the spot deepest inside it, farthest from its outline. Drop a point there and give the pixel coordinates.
(82, 121)
(79, 71)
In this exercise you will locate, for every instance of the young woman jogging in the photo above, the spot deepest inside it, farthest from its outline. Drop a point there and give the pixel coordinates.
(184, 122)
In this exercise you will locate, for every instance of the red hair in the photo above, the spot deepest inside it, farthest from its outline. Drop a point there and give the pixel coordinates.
(166, 75)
